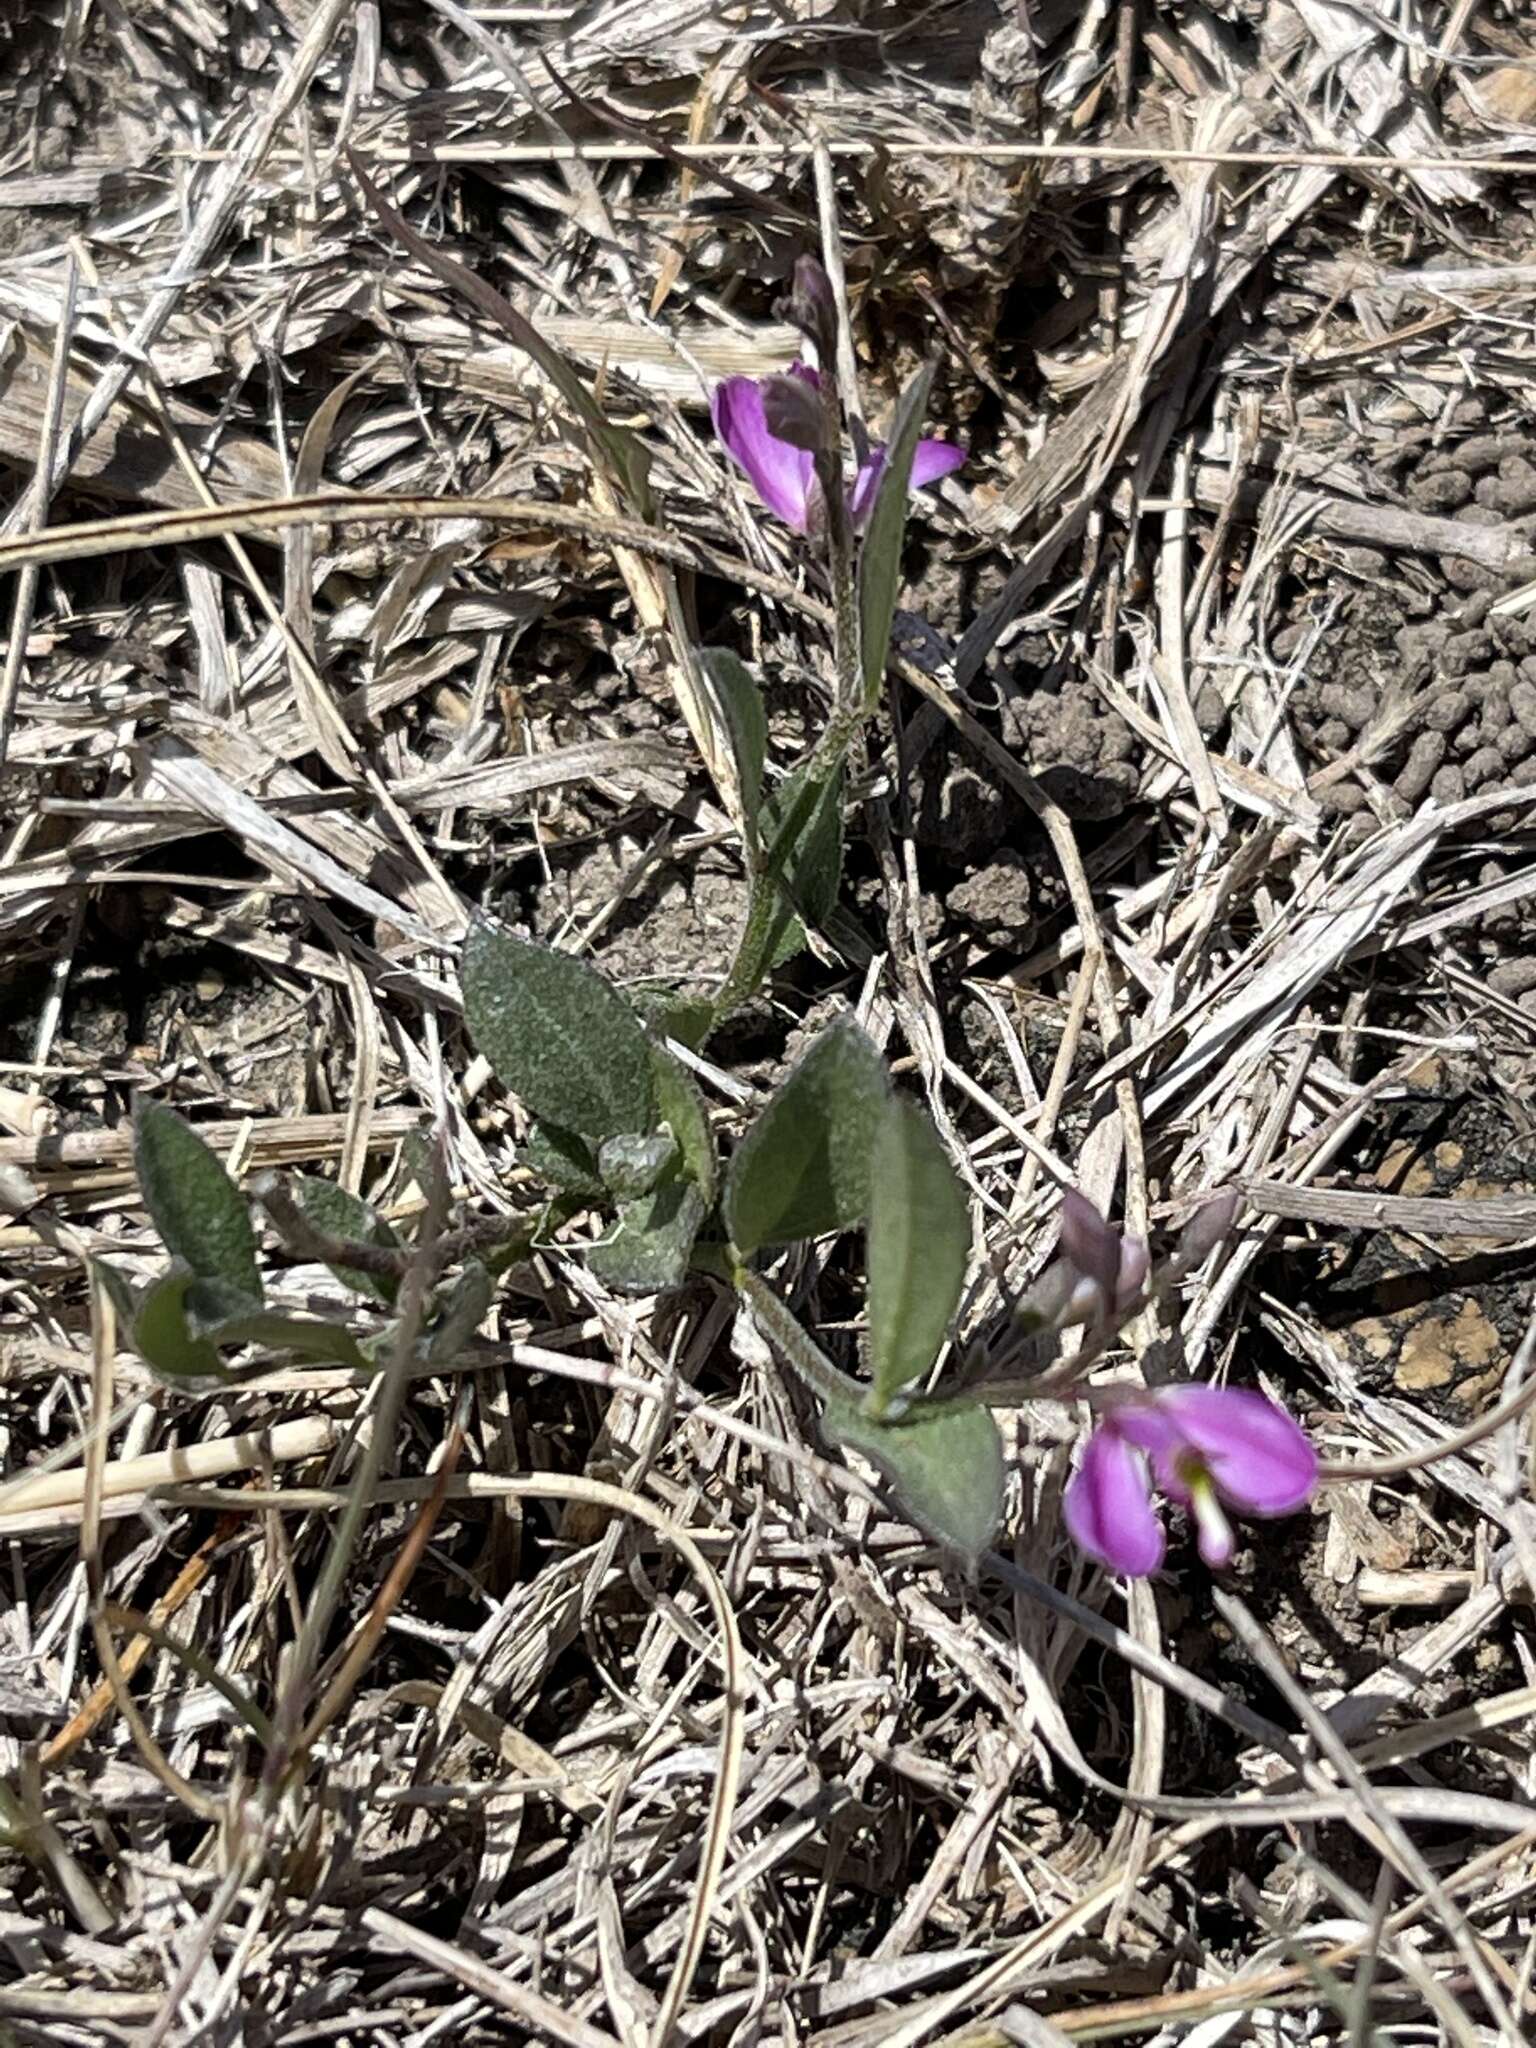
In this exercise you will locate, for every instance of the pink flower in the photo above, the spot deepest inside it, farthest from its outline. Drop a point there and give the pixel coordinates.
(1199, 1447)
(784, 474)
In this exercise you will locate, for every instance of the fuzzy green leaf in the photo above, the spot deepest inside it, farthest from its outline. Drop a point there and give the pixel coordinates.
(804, 1166)
(557, 1034)
(631, 1165)
(199, 1212)
(944, 1460)
(275, 1331)
(563, 1159)
(457, 1312)
(797, 882)
(669, 1014)
(741, 703)
(340, 1213)
(161, 1334)
(919, 1242)
(649, 1251)
(803, 828)
(880, 557)
(681, 1108)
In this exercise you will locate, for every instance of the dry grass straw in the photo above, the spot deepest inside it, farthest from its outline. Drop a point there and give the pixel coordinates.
(578, 1695)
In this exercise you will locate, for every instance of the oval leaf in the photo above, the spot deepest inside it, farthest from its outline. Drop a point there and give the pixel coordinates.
(161, 1336)
(456, 1314)
(557, 1034)
(919, 1242)
(197, 1209)
(880, 558)
(804, 1167)
(670, 1015)
(339, 1213)
(806, 840)
(564, 1160)
(650, 1250)
(944, 1460)
(631, 1165)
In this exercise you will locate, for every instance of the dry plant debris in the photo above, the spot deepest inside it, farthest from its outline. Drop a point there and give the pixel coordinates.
(1192, 849)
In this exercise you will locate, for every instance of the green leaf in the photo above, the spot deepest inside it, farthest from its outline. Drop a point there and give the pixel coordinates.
(161, 1335)
(919, 1242)
(557, 1034)
(944, 1460)
(631, 1165)
(566, 1161)
(789, 940)
(804, 1166)
(880, 557)
(339, 1213)
(800, 873)
(688, 1019)
(212, 1305)
(196, 1207)
(741, 704)
(804, 830)
(794, 1345)
(681, 1108)
(649, 1251)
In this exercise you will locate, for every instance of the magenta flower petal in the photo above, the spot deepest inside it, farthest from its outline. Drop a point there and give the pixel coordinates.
(934, 459)
(861, 498)
(1258, 1456)
(1142, 1420)
(1108, 1506)
(781, 475)
(930, 461)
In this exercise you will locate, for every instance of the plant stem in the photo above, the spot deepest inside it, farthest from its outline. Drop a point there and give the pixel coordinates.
(393, 1384)
(791, 1341)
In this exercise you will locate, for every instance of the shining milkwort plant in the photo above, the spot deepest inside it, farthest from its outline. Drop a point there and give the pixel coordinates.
(618, 1133)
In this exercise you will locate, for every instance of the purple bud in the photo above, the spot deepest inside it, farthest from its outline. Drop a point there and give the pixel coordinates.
(813, 285)
(1090, 1244)
(1135, 1262)
(1207, 1227)
(792, 412)
(1049, 1303)
(812, 307)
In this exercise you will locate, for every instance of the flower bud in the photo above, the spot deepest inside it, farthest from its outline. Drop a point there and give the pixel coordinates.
(812, 307)
(1206, 1228)
(1135, 1264)
(1059, 1299)
(1090, 1244)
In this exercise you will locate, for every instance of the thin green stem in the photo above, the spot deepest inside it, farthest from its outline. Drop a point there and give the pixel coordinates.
(394, 1383)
